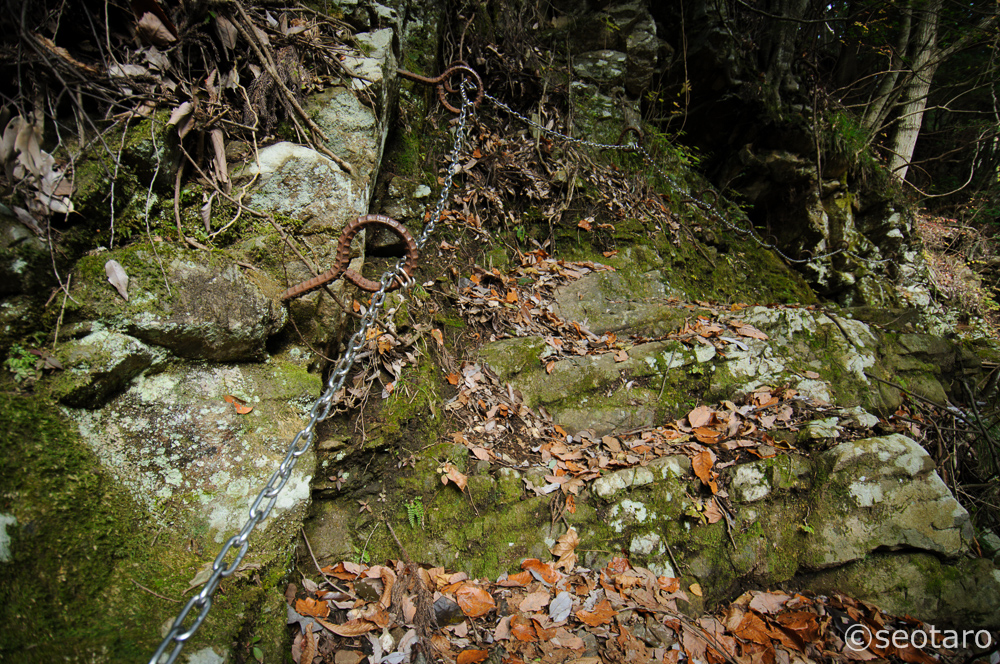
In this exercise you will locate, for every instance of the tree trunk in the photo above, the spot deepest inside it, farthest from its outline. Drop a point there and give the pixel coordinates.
(925, 63)
(880, 106)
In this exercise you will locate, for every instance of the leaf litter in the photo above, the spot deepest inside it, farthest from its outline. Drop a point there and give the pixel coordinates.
(620, 613)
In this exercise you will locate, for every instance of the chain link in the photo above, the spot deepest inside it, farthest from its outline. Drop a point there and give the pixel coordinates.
(202, 600)
(707, 207)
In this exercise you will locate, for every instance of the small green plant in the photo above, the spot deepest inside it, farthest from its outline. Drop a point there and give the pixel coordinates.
(415, 512)
(23, 364)
(521, 232)
(258, 654)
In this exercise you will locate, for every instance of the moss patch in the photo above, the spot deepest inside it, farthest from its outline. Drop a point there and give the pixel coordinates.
(82, 547)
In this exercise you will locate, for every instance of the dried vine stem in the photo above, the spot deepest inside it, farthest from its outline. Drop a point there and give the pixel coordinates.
(263, 51)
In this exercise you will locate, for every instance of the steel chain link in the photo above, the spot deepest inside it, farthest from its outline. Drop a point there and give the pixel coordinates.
(707, 207)
(304, 438)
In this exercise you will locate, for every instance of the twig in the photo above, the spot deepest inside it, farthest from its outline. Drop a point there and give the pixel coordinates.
(62, 310)
(265, 58)
(175, 601)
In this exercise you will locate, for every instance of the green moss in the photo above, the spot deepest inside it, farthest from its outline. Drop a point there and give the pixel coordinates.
(412, 411)
(87, 558)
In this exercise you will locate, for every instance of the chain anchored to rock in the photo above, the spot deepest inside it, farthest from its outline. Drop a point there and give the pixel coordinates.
(443, 82)
(400, 274)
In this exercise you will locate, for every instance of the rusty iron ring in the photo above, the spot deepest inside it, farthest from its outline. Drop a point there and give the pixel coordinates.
(630, 129)
(343, 258)
(443, 83)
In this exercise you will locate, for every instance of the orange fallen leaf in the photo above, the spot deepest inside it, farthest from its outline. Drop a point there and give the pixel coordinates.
(308, 606)
(471, 656)
(700, 416)
(523, 629)
(706, 435)
(511, 297)
(474, 601)
(695, 589)
(453, 378)
(668, 584)
(550, 366)
(584, 224)
(518, 580)
(438, 337)
(540, 570)
(238, 404)
(702, 466)
(601, 615)
(351, 628)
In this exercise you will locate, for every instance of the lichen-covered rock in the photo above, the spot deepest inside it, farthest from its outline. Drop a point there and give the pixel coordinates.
(883, 493)
(195, 304)
(25, 263)
(963, 594)
(604, 67)
(185, 452)
(216, 314)
(100, 365)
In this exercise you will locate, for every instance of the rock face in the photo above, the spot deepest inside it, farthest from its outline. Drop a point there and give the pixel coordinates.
(182, 397)
(809, 519)
(185, 452)
(197, 307)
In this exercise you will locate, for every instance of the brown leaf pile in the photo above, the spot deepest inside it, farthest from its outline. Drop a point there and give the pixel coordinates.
(619, 613)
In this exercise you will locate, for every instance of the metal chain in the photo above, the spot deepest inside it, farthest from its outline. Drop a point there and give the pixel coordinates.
(707, 207)
(202, 600)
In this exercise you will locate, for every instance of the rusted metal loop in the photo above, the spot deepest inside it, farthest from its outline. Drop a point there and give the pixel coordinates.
(343, 258)
(713, 195)
(630, 129)
(443, 83)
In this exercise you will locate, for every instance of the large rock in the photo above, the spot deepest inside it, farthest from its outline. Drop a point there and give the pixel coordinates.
(185, 452)
(196, 305)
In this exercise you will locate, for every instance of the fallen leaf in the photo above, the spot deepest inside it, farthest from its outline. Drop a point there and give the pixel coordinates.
(474, 600)
(712, 511)
(544, 572)
(700, 416)
(702, 466)
(695, 589)
(518, 580)
(351, 628)
(117, 277)
(438, 337)
(523, 629)
(308, 606)
(550, 366)
(601, 615)
(452, 473)
(585, 223)
(481, 453)
(471, 656)
(668, 584)
(750, 331)
(621, 356)
(534, 601)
